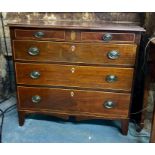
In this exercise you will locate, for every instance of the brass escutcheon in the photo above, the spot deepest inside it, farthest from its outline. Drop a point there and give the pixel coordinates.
(72, 93)
(73, 48)
(72, 69)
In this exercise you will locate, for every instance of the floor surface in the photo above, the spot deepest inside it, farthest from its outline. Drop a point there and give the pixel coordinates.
(47, 129)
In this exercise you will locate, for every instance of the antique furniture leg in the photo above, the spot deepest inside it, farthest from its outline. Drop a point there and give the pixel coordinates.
(21, 115)
(124, 126)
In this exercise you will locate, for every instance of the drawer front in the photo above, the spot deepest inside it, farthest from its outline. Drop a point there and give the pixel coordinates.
(108, 36)
(74, 76)
(38, 34)
(74, 101)
(112, 54)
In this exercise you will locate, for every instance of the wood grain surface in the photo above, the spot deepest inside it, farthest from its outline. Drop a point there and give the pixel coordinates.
(91, 102)
(88, 53)
(74, 76)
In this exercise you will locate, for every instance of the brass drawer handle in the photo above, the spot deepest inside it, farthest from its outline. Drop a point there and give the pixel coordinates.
(111, 78)
(113, 54)
(36, 99)
(35, 75)
(109, 104)
(39, 34)
(33, 51)
(107, 37)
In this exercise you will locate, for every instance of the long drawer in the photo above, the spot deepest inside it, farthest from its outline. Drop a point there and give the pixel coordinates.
(74, 101)
(89, 53)
(74, 76)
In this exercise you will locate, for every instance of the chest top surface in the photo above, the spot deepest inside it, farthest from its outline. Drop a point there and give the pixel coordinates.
(99, 25)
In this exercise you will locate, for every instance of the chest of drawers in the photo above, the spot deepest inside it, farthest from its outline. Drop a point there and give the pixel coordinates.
(82, 70)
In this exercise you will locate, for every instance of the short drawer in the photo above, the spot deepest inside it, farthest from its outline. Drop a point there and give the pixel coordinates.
(108, 37)
(39, 34)
(74, 76)
(89, 53)
(74, 101)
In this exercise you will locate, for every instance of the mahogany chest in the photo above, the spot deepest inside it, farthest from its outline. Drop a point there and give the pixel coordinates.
(86, 70)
